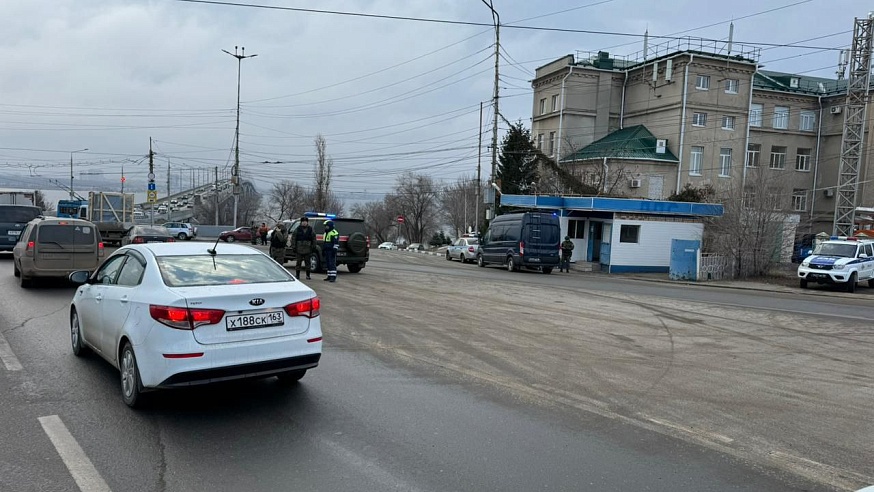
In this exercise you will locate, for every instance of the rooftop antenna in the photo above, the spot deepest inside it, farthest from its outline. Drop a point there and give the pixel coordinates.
(646, 44)
(843, 60)
(730, 36)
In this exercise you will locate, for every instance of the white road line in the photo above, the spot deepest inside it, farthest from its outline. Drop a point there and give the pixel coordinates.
(9, 359)
(74, 458)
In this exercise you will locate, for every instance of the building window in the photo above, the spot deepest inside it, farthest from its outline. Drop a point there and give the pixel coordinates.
(731, 86)
(555, 102)
(699, 119)
(781, 117)
(778, 157)
(749, 198)
(540, 142)
(702, 82)
(725, 162)
(551, 143)
(543, 106)
(728, 122)
(799, 200)
(756, 114)
(629, 233)
(802, 160)
(754, 151)
(808, 121)
(696, 160)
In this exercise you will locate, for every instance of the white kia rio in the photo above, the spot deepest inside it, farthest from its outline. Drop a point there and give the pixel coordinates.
(173, 314)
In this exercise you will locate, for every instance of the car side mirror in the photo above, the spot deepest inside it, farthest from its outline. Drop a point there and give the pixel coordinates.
(80, 277)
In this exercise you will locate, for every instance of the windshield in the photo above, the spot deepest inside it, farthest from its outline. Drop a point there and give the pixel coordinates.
(66, 234)
(836, 249)
(199, 270)
(18, 213)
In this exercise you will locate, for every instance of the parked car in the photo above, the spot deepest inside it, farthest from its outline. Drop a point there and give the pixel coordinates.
(525, 240)
(147, 234)
(387, 245)
(463, 249)
(354, 251)
(843, 262)
(181, 230)
(13, 220)
(179, 315)
(53, 247)
(416, 247)
(238, 234)
(162, 209)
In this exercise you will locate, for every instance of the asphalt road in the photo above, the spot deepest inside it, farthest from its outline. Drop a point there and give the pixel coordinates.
(441, 376)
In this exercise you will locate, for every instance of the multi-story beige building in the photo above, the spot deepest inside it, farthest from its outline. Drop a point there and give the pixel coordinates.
(699, 114)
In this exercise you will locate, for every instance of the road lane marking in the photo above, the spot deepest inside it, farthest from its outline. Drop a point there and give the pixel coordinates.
(7, 356)
(80, 467)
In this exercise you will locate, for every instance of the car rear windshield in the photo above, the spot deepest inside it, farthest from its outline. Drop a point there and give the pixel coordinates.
(199, 270)
(67, 234)
(151, 231)
(473, 241)
(18, 213)
(833, 249)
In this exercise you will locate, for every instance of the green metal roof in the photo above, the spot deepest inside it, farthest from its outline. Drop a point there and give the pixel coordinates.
(781, 81)
(632, 143)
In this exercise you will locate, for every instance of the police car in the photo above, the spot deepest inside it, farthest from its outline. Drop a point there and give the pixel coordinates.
(839, 260)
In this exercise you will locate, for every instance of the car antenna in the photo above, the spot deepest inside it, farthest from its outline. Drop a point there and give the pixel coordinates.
(212, 251)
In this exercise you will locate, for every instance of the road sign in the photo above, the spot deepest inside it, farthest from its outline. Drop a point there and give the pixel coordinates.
(152, 196)
(151, 186)
(151, 176)
(123, 179)
(400, 219)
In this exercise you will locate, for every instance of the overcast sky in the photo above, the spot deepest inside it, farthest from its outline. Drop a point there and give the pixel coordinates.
(389, 95)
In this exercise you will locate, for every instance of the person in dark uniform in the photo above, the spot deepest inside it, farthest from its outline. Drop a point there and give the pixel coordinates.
(302, 244)
(567, 249)
(277, 243)
(329, 248)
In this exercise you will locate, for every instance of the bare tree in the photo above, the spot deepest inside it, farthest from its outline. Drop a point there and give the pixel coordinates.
(753, 229)
(248, 208)
(323, 168)
(458, 204)
(378, 218)
(39, 200)
(415, 198)
(287, 199)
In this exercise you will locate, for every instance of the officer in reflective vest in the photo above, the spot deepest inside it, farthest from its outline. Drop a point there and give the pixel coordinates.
(330, 248)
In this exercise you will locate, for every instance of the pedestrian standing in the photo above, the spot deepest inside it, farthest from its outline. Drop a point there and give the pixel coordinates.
(262, 232)
(567, 249)
(302, 244)
(277, 243)
(330, 248)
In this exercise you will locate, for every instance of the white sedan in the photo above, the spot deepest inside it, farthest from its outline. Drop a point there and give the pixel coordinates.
(179, 314)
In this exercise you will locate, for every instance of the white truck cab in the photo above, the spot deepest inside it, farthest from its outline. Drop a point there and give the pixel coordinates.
(839, 260)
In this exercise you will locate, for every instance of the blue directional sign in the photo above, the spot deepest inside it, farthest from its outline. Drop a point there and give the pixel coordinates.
(151, 186)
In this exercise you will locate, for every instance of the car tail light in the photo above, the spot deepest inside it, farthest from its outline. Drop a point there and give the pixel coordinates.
(309, 308)
(185, 318)
(367, 241)
(100, 248)
(171, 240)
(470, 249)
(138, 240)
(521, 248)
(29, 250)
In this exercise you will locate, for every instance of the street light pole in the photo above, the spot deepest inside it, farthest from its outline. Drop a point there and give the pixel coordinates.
(72, 194)
(235, 179)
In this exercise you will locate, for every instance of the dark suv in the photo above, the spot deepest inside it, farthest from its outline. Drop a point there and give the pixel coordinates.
(354, 242)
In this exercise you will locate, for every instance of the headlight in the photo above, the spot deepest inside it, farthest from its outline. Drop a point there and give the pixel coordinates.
(805, 263)
(839, 267)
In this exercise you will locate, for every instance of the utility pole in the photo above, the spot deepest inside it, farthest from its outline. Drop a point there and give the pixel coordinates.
(215, 194)
(168, 186)
(497, 20)
(479, 158)
(235, 178)
(73, 193)
(852, 141)
(152, 193)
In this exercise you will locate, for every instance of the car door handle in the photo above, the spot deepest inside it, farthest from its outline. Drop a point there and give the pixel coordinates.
(98, 297)
(123, 299)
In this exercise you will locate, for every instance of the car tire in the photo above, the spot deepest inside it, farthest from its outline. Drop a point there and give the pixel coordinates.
(182, 236)
(131, 386)
(291, 377)
(448, 257)
(803, 283)
(315, 263)
(24, 282)
(354, 267)
(480, 262)
(15, 271)
(546, 270)
(356, 244)
(461, 258)
(851, 285)
(230, 239)
(79, 348)
(511, 267)
(871, 283)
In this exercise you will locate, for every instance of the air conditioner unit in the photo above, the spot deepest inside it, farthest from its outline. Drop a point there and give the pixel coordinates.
(635, 183)
(836, 110)
(829, 192)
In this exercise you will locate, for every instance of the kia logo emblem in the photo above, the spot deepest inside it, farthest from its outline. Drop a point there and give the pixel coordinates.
(256, 301)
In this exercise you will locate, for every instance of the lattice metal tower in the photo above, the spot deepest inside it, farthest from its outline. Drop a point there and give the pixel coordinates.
(858, 88)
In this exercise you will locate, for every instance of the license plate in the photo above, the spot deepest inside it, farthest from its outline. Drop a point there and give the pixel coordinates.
(534, 260)
(817, 275)
(14, 233)
(341, 253)
(246, 321)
